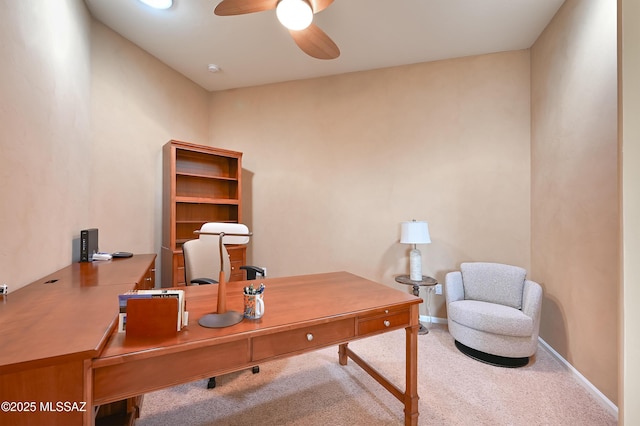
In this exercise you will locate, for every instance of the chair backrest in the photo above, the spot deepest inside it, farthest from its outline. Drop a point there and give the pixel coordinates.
(493, 282)
(202, 255)
(202, 260)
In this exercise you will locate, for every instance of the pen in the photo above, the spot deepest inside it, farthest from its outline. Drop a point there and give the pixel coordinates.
(252, 291)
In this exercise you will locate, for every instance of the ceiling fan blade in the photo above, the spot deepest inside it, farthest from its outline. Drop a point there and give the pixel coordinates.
(315, 42)
(240, 7)
(320, 5)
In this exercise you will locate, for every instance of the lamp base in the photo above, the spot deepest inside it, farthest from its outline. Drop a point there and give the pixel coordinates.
(415, 265)
(227, 319)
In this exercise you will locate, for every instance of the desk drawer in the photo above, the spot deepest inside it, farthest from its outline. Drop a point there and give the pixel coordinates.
(383, 321)
(302, 339)
(148, 372)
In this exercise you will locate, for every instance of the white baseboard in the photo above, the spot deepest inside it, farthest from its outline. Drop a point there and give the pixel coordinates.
(435, 320)
(606, 402)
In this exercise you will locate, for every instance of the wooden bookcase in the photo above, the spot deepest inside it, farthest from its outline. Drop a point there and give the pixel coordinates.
(200, 184)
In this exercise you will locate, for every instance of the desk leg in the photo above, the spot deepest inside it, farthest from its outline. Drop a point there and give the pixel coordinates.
(88, 416)
(411, 391)
(409, 398)
(342, 354)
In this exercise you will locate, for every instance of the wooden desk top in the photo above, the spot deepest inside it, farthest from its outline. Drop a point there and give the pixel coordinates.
(71, 318)
(98, 273)
(289, 302)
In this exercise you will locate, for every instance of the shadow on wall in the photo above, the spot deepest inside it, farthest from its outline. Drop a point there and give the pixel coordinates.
(75, 249)
(247, 207)
(394, 261)
(552, 317)
(446, 255)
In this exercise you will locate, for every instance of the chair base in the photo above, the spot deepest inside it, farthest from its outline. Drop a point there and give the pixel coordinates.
(211, 384)
(499, 361)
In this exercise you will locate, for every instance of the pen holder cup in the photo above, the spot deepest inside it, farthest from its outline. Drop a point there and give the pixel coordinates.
(253, 306)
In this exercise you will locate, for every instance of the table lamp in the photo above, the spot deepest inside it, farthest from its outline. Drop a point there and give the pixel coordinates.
(415, 232)
(239, 234)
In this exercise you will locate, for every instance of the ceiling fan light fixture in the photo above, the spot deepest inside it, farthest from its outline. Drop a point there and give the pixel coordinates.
(158, 4)
(296, 15)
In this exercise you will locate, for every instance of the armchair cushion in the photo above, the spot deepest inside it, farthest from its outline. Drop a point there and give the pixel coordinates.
(493, 282)
(491, 318)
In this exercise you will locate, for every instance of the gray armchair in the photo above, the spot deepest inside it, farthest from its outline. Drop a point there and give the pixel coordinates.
(494, 312)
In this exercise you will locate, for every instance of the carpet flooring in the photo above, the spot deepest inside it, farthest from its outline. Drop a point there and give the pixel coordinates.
(313, 389)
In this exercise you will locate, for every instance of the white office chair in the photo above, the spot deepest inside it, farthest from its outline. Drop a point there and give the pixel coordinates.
(202, 255)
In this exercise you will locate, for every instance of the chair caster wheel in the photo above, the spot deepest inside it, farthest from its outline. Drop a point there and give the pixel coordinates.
(212, 383)
(256, 369)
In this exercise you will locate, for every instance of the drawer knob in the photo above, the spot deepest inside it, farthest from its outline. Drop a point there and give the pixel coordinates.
(387, 323)
(309, 336)
(386, 311)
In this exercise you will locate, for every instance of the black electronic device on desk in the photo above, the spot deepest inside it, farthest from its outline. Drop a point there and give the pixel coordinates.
(121, 254)
(88, 244)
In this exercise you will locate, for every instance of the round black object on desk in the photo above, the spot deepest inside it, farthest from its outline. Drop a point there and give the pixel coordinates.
(121, 254)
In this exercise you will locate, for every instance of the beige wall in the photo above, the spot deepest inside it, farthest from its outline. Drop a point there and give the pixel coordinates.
(575, 210)
(84, 115)
(138, 104)
(335, 164)
(44, 137)
(630, 94)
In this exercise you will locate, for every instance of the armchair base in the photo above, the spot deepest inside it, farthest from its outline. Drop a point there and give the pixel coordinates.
(499, 361)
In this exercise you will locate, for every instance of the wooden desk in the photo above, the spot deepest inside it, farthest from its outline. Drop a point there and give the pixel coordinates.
(51, 329)
(302, 314)
(59, 345)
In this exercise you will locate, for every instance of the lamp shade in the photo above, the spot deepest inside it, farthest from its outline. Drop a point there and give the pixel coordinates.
(414, 232)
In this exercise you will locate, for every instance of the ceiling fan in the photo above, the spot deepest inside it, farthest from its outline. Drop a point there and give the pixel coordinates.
(296, 15)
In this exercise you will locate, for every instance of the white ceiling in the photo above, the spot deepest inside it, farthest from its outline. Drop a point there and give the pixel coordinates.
(255, 49)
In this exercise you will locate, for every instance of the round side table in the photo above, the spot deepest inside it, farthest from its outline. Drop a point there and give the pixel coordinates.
(428, 282)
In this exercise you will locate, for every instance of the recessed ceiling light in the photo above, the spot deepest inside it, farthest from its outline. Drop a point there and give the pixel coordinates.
(158, 4)
(213, 68)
